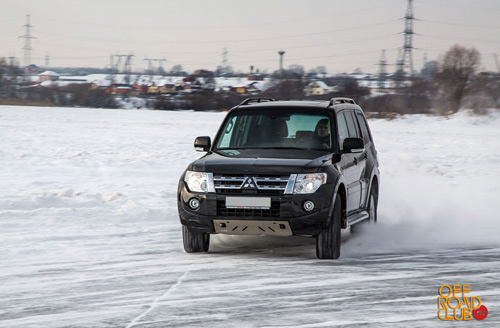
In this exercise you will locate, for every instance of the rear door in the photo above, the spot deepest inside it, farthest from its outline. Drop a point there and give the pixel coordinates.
(353, 164)
(370, 155)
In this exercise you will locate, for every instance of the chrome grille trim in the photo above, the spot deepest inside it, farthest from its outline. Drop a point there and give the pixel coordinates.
(272, 183)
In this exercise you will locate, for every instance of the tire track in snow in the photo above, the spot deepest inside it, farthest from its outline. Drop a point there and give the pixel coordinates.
(154, 305)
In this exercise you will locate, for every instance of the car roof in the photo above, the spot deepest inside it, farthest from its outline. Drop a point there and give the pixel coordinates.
(320, 104)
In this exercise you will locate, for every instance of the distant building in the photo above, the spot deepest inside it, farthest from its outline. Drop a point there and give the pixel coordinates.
(318, 88)
(119, 89)
(32, 69)
(48, 76)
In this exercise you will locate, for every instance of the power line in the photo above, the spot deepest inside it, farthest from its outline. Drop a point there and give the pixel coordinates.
(225, 41)
(451, 38)
(448, 5)
(459, 24)
(205, 27)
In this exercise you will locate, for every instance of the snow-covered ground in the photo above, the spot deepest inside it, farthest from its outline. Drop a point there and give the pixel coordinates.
(89, 233)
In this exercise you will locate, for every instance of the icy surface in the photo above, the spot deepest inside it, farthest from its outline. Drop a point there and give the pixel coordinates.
(89, 233)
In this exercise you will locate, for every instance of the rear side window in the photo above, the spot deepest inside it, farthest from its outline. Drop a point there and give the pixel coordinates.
(352, 126)
(364, 128)
(343, 132)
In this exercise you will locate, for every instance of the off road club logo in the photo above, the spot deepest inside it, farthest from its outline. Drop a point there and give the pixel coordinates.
(456, 303)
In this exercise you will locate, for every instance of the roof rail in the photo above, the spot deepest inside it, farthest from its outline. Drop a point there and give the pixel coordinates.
(249, 101)
(341, 100)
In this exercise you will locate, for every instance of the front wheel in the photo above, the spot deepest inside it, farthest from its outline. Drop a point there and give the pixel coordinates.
(195, 242)
(329, 240)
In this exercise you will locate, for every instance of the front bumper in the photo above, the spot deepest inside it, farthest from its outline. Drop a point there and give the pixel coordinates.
(286, 209)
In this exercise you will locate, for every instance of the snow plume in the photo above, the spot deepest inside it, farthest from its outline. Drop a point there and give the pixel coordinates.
(439, 183)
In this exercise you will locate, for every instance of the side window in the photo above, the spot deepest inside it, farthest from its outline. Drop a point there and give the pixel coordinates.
(352, 125)
(364, 128)
(343, 132)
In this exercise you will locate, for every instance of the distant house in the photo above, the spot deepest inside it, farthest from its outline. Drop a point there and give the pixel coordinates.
(48, 76)
(255, 77)
(317, 88)
(32, 69)
(119, 89)
(100, 84)
(254, 88)
(140, 89)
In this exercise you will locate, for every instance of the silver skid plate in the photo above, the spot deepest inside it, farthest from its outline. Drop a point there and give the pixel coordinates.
(252, 227)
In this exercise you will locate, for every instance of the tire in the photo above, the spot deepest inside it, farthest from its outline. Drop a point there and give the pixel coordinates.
(328, 241)
(195, 242)
(372, 212)
(373, 205)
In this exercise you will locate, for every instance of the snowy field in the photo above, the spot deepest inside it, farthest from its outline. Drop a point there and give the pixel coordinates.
(90, 237)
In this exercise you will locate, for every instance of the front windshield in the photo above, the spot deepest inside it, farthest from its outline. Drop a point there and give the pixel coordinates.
(276, 129)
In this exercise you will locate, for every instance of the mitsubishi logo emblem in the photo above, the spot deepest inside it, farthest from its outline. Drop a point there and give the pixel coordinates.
(249, 183)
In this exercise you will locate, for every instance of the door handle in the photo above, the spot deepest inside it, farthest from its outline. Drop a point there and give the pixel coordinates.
(355, 160)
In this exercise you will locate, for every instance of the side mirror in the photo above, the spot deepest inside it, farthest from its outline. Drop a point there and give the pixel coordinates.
(202, 144)
(353, 145)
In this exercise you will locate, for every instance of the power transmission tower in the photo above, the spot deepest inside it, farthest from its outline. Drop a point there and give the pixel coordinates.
(382, 71)
(160, 64)
(115, 62)
(150, 65)
(128, 67)
(405, 59)
(47, 60)
(27, 41)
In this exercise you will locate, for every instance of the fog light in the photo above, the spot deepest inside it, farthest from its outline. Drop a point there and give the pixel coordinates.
(194, 203)
(308, 205)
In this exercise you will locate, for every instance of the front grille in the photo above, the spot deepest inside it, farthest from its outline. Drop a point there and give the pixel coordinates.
(251, 184)
(273, 212)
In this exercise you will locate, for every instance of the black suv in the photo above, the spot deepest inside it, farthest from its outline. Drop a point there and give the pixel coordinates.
(282, 168)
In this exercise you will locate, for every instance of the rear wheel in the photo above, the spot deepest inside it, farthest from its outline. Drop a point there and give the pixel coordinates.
(195, 242)
(329, 240)
(373, 205)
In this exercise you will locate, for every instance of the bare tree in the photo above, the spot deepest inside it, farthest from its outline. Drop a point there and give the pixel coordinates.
(458, 67)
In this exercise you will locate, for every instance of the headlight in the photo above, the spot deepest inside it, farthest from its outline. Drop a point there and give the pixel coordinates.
(309, 183)
(199, 181)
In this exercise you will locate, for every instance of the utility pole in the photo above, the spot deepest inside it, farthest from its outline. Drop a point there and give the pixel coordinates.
(405, 60)
(382, 71)
(47, 60)
(27, 41)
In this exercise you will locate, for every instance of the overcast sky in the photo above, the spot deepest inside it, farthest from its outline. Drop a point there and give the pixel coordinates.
(339, 34)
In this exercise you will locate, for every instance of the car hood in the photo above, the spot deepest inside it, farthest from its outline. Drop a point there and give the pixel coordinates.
(261, 161)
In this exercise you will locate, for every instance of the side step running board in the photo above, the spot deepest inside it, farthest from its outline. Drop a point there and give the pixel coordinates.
(358, 217)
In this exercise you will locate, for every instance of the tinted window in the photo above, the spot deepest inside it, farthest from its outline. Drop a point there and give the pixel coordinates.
(343, 132)
(364, 127)
(352, 125)
(275, 129)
